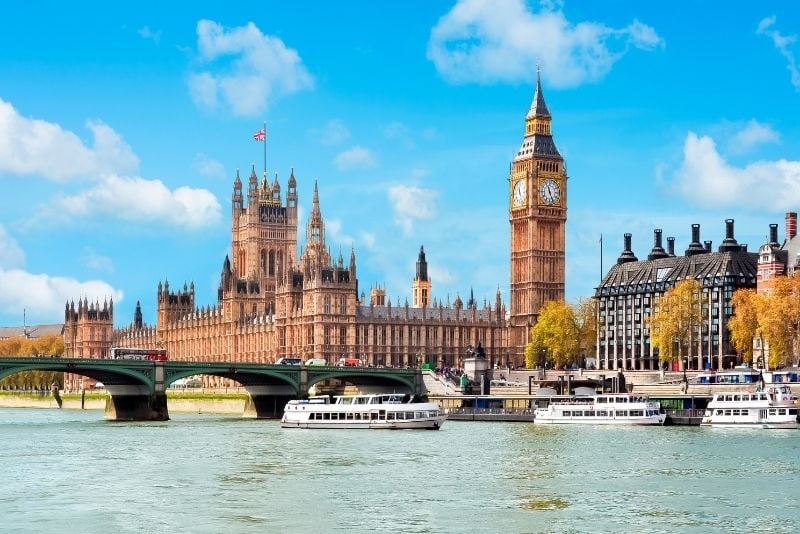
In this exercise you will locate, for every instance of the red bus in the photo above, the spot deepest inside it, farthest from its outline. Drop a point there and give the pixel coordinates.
(126, 353)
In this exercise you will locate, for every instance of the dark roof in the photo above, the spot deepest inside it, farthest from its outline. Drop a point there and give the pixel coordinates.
(538, 145)
(658, 275)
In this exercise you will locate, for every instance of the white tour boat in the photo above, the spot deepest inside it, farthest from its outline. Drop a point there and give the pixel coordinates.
(392, 411)
(771, 407)
(609, 409)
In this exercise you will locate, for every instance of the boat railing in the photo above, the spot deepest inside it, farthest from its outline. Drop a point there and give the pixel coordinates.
(496, 411)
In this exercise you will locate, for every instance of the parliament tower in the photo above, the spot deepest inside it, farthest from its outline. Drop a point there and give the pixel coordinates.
(537, 213)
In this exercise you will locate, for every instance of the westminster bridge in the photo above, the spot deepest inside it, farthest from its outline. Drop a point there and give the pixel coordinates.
(137, 389)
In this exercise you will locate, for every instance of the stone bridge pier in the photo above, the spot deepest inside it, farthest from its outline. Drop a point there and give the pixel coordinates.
(268, 401)
(138, 402)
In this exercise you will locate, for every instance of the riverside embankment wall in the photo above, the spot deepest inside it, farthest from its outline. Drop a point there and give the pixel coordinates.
(223, 403)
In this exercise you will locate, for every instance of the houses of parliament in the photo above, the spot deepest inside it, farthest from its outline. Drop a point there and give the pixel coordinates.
(272, 303)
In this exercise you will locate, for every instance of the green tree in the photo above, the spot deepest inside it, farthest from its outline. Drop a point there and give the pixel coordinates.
(675, 322)
(556, 333)
(744, 324)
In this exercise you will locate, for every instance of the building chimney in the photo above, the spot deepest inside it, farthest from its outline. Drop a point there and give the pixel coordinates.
(707, 246)
(695, 247)
(729, 244)
(671, 246)
(791, 224)
(773, 235)
(743, 247)
(658, 250)
(627, 254)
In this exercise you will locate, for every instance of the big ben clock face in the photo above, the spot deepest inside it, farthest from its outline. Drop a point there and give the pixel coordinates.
(518, 195)
(549, 192)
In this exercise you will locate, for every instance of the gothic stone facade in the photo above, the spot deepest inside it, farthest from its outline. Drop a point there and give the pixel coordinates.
(272, 304)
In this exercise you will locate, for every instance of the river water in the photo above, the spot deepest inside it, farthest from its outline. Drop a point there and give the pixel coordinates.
(72, 471)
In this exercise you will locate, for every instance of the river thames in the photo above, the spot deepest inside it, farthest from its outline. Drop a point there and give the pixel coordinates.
(72, 471)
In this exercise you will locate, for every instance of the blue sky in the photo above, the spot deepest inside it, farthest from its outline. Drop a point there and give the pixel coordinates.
(122, 126)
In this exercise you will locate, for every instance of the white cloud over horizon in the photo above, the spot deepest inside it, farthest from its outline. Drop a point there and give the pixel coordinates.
(332, 132)
(751, 136)
(353, 158)
(30, 146)
(11, 255)
(135, 199)
(244, 69)
(485, 41)
(706, 178)
(208, 166)
(43, 296)
(783, 44)
(410, 204)
(146, 33)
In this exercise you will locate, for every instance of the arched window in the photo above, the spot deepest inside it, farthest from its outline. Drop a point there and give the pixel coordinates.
(271, 271)
(326, 304)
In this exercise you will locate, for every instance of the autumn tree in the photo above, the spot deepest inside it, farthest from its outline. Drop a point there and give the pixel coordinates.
(530, 356)
(779, 321)
(556, 333)
(29, 347)
(586, 321)
(744, 326)
(676, 321)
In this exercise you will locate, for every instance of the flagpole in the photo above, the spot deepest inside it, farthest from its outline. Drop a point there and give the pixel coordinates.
(601, 257)
(265, 148)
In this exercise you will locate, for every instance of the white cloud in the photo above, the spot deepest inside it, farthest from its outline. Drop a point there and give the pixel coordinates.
(783, 44)
(399, 132)
(752, 135)
(142, 201)
(97, 262)
(332, 133)
(209, 166)
(249, 69)
(356, 157)
(43, 296)
(10, 254)
(486, 41)
(333, 233)
(368, 239)
(147, 33)
(706, 178)
(36, 147)
(441, 275)
(412, 203)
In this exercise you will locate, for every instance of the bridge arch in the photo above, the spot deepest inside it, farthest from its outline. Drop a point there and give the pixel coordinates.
(369, 377)
(111, 374)
(245, 377)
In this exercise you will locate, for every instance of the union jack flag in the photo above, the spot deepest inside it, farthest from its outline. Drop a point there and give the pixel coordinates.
(260, 135)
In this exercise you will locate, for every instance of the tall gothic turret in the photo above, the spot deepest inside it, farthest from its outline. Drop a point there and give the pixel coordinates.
(421, 286)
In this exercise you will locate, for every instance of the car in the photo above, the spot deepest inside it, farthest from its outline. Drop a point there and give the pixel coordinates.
(317, 361)
(348, 362)
(289, 360)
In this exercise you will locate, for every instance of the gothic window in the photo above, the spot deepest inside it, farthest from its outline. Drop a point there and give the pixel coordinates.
(327, 338)
(263, 261)
(271, 263)
(342, 335)
(326, 306)
(342, 304)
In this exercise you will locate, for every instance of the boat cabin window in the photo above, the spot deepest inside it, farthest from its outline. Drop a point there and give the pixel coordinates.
(792, 411)
(601, 400)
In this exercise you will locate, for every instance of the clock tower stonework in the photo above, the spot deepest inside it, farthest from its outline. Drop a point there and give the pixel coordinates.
(537, 212)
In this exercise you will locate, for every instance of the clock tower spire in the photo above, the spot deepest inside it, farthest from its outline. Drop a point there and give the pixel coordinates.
(538, 214)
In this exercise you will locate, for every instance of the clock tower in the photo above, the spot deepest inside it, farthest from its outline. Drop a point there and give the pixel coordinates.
(537, 212)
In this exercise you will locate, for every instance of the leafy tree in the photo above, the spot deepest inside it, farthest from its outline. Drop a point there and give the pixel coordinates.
(556, 332)
(530, 356)
(676, 321)
(779, 321)
(25, 347)
(744, 324)
(586, 320)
